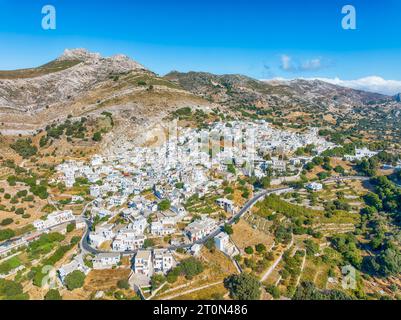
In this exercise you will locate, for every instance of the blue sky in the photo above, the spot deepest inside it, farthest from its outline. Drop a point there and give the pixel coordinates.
(262, 39)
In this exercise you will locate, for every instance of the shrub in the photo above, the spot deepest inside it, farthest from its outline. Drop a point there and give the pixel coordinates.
(53, 294)
(70, 227)
(6, 222)
(260, 247)
(24, 148)
(10, 289)
(248, 250)
(164, 205)
(123, 284)
(228, 229)
(274, 291)
(6, 234)
(243, 287)
(190, 267)
(74, 280)
(20, 211)
(97, 136)
(157, 280)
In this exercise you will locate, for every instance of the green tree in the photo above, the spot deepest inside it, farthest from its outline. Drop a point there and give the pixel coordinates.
(274, 291)
(6, 234)
(260, 248)
(97, 136)
(243, 286)
(53, 294)
(11, 290)
(70, 227)
(74, 280)
(373, 200)
(190, 267)
(228, 229)
(164, 205)
(311, 247)
(231, 168)
(20, 211)
(123, 284)
(6, 222)
(339, 169)
(248, 250)
(157, 280)
(24, 148)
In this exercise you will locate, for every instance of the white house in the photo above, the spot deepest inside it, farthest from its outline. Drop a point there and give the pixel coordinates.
(101, 212)
(222, 241)
(163, 260)
(195, 249)
(361, 154)
(102, 233)
(143, 262)
(96, 160)
(95, 190)
(226, 205)
(76, 264)
(54, 219)
(159, 229)
(106, 260)
(314, 186)
(128, 240)
(200, 228)
(138, 225)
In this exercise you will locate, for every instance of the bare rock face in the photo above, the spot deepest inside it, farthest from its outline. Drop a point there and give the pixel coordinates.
(76, 72)
(79, 54)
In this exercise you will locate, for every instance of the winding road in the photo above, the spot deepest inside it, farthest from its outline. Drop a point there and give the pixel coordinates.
(85, 245)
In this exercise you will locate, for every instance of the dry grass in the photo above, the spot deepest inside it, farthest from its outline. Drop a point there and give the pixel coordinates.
(244, 235)
(205, 294)
(103, 280)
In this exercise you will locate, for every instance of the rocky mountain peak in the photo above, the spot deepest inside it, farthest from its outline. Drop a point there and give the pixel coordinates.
(78, 54)
(119, 61)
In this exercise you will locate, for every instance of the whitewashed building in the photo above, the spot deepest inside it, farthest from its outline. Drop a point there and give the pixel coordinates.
(54, 219)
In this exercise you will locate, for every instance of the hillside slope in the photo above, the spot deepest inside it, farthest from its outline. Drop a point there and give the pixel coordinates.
(80, 83)
(301, 102)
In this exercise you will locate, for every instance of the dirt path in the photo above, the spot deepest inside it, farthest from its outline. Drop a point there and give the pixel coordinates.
(191, 290)
(302, 269)
(274, 265)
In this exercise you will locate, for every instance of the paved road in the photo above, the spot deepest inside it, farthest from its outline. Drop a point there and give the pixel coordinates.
(85, 245)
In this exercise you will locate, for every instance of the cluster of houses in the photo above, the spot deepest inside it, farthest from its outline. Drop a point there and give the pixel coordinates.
(149, 262)
(361, 154)
(200, 228)
(120, 181)
(54, 219)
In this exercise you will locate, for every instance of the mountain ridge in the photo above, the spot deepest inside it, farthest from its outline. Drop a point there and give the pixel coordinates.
(80, 82)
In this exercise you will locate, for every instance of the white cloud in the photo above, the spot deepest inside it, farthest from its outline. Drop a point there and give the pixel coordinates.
(287, 64)
(372, 84)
